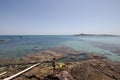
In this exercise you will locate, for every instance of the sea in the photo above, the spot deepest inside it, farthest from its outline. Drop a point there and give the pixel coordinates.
(16, 46)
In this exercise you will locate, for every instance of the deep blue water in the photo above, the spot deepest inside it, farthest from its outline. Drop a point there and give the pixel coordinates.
(18, 46)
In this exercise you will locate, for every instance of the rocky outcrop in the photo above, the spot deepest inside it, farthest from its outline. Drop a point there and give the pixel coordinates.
(95, 70)
(96, 56)
(79, 65)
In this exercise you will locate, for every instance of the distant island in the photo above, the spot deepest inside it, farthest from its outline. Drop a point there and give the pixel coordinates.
(1, 40)
(82, 34)
(4, 40)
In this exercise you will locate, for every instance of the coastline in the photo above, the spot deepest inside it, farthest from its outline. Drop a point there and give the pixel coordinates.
(64, 55)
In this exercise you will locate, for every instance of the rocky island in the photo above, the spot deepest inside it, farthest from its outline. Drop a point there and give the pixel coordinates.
(82, 34)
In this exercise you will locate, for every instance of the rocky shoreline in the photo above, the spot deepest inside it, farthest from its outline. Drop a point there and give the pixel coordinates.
(102, 69)
(74, 61)
(94, 69)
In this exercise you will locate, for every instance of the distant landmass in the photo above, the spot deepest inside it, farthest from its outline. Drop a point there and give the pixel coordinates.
(4, 40)
(82, 34)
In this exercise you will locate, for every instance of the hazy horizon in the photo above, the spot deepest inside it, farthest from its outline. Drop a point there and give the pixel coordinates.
(63, 17)
(54, 34)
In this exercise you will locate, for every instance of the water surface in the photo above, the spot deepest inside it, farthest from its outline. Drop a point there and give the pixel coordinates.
(18, 46)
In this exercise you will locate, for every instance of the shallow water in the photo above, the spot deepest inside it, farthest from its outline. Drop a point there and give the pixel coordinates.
(85, 46)
(17, 46)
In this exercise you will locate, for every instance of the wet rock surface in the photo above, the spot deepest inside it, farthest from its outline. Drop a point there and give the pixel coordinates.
(95, 70)
(79, 65)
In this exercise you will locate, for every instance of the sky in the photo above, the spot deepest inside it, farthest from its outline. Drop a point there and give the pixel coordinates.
(59, 17)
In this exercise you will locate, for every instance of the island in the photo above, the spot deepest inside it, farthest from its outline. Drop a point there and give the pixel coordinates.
(82, 34)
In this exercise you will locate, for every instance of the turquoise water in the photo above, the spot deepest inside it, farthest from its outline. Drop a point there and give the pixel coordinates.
(85, 46)
(19, 46)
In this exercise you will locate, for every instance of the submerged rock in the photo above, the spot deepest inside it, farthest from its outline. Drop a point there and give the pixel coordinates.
(96, 56)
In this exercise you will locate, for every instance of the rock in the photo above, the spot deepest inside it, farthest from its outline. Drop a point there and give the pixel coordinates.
(96, 56)
(94, 70)
(64, 75)
(92, 67)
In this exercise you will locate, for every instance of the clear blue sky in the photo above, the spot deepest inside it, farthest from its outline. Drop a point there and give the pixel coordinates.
(59, 17)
